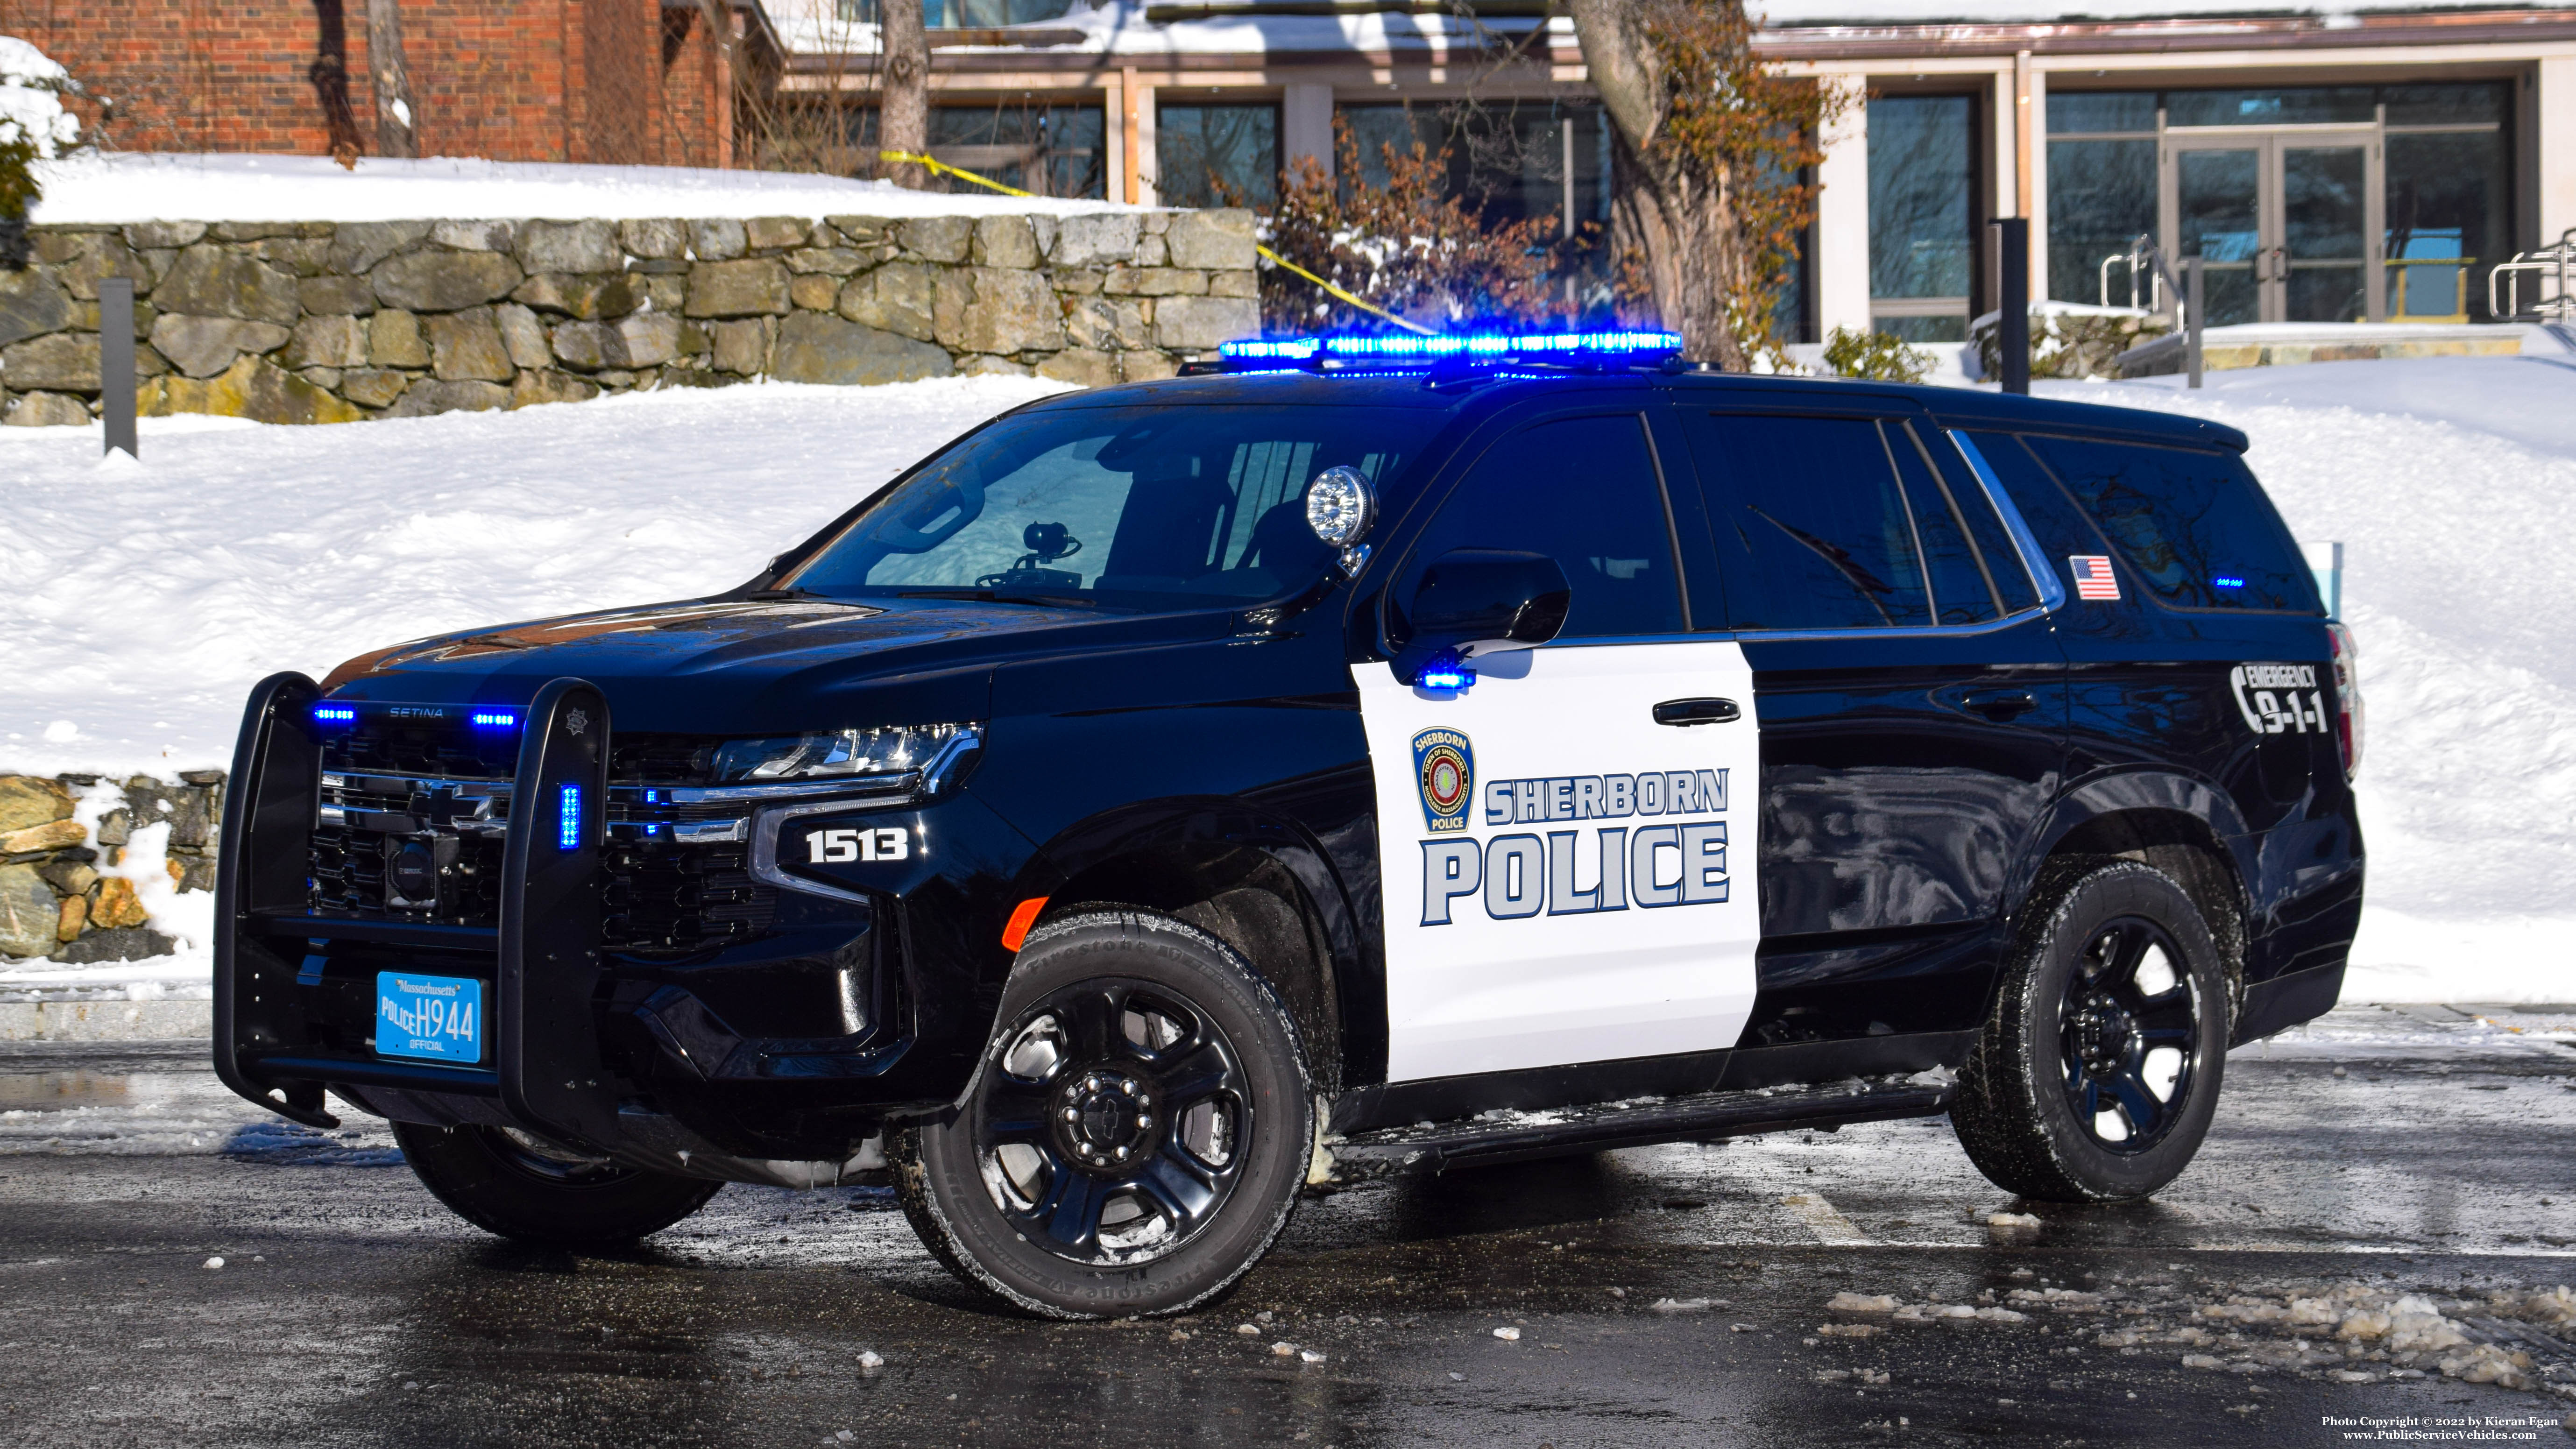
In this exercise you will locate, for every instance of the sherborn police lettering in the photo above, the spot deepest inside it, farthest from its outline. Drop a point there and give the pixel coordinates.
(1525, 874)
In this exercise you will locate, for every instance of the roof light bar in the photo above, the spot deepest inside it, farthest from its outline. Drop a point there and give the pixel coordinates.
(1399, 348)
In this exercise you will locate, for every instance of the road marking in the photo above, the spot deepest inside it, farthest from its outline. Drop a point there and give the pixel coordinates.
(1827, 1220)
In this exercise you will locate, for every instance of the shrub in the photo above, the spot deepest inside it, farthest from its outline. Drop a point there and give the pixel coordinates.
(1875, 356)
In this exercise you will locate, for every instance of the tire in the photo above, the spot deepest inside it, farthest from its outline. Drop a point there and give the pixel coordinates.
(1135, 1135)
(531, 1191)
(2060, 1099)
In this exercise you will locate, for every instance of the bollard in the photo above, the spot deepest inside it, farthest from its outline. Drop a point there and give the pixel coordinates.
(2191, 322)
(116, 363)
(2012, 319)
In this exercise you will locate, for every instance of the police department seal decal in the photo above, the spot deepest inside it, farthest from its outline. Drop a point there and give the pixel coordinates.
(1444, 770)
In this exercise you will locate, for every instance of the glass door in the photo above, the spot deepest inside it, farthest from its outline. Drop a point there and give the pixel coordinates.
(2218, 214)
(2321, 259)
(2282, 222)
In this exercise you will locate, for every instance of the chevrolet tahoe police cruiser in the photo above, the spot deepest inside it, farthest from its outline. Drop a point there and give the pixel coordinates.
(1167, 797)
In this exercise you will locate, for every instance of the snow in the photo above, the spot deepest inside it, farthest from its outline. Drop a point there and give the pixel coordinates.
(125, 187)
(31, 106)
(813, 27)
(2452, 484)
(147, 597)
(1805, 13)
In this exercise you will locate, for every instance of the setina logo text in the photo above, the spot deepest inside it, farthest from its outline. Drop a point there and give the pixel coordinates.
(1525, 874)
(2278, 698)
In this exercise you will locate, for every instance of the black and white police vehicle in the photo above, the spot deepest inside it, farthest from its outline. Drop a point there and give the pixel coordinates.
(1167, 797)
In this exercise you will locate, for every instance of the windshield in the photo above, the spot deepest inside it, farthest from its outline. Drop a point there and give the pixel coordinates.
(1145, 507)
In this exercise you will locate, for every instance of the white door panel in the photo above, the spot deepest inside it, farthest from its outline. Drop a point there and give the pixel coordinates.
(1557, 869)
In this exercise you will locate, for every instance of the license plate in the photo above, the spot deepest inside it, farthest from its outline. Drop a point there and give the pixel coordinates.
(437, 1017)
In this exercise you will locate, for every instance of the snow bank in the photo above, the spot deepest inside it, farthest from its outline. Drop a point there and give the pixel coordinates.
(190, 187)
(31, 105)
(147, 597)
(2452, 484)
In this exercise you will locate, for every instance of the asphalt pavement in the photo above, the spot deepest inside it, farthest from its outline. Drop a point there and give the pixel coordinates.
(1672, 1295)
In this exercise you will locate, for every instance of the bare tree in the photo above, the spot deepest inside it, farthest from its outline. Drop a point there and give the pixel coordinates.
(903, 99)
(1715, 148)
(397, 114)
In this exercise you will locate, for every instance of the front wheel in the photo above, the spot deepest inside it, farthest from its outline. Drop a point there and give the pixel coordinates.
(1136, 1133)
(525, 1188)
(2096, 1077)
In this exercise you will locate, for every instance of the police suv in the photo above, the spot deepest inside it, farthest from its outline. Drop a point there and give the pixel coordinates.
(1169, 797)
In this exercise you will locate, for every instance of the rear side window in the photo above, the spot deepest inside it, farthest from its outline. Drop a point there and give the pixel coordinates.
(1585, 492)
(1961, 587)
(2193, 526)
(1815, 507)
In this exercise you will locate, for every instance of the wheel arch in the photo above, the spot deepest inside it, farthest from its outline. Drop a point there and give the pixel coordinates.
(2181, 826)
(1255, 881)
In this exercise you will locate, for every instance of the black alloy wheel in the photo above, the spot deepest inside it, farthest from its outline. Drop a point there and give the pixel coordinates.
(2128, 1035)
(1136, 1134)
(1110, 1129)
(2097, 1074)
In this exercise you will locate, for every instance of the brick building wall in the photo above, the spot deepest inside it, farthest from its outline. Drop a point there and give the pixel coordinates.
(615, 81)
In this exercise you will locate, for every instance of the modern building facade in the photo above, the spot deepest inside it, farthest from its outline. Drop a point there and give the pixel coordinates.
(2356, 162)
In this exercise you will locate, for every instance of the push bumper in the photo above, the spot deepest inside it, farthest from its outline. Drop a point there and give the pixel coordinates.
(581, 1049)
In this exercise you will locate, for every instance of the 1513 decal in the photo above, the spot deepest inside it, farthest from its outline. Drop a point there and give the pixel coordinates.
(838, 847)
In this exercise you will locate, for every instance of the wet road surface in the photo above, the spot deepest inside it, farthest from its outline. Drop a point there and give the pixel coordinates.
(1673, 1295)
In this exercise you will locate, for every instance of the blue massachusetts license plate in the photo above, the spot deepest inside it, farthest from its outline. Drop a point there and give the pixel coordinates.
(437, 1017)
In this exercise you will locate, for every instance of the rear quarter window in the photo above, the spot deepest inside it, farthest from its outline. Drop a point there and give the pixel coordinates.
(2194, 527)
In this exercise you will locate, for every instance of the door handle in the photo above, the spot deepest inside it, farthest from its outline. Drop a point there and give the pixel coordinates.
(1697, 712)
(1999, 705)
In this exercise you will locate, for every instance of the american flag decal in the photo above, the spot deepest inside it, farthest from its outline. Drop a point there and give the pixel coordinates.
(2093, 576)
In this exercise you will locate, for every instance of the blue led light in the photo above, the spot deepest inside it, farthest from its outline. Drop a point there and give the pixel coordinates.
(568, 835)
(1448, 678)
(495, 718)
(2225, 582)
(335, 714)
(1497, 345)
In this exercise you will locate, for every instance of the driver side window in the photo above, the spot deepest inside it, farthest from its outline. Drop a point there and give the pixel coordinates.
(1585, 492)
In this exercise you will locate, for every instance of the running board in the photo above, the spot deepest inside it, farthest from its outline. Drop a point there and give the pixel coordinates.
(1506, 1136)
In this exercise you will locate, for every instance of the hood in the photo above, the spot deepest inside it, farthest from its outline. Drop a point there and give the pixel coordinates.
(728, 666)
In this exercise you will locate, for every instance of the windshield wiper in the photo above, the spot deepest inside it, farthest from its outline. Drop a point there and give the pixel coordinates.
(988, 596)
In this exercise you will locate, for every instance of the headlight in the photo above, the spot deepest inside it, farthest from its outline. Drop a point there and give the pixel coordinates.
(841, 754)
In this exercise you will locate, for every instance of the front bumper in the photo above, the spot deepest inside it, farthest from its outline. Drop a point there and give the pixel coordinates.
(773, 1054)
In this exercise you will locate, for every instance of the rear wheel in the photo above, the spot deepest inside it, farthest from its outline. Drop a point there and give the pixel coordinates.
(2097, 1075)
(1135, 1135)
(523, 1187)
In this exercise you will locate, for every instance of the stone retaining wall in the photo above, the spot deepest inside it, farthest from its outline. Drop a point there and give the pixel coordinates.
(54, 903)
(314, 322)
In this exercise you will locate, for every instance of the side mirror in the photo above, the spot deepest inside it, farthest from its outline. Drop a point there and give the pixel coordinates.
(1474, 601)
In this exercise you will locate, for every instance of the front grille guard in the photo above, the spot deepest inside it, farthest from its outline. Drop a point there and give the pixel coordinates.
(545, 1065)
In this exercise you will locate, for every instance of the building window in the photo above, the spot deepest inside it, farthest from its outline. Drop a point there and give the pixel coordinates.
(1508, 160)
(1922, 215)
(1217, 156)
(2272, 190)
(1048, 150)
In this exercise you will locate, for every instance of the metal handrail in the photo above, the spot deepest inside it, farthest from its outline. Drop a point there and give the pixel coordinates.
(2551, 265)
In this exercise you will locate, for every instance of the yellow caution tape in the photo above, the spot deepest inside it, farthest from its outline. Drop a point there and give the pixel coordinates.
(962, 174)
